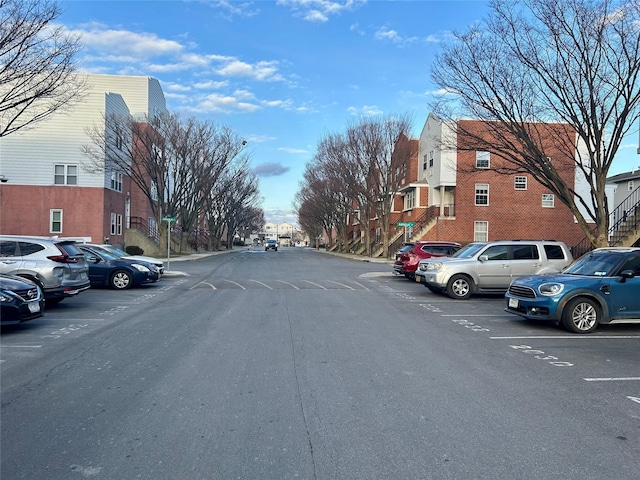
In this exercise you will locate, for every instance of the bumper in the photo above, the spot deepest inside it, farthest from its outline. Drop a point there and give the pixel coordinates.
(13, 313)
(533, 308)
(65, 290)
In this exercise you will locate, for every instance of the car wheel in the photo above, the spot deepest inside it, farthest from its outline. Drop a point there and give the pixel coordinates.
(121, 279)
(275, 249)
(581, 315)
(459, 287)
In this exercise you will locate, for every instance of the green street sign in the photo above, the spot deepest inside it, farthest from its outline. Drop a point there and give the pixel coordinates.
(406, 224)
(169, 219)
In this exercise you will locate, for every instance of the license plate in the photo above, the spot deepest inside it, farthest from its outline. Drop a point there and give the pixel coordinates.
(513, 303)
(418, 278)
(34, 307)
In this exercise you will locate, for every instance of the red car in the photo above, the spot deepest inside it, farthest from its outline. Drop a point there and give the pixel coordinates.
(410, 254)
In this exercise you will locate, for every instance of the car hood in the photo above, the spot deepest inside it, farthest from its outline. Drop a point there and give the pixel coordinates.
(567, 280)
(11, 282)
(142, 258)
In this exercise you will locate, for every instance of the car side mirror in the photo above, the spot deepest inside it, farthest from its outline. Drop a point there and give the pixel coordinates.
(483, 258)
(627, 274)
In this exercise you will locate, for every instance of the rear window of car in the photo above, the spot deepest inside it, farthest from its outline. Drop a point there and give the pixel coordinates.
(69, 248)
(554, 252)
(439, 249)
(29, 248)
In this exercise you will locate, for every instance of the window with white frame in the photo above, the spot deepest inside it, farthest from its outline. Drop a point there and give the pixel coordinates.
(154, 191)
(482, 194)
(548, 200)
(65, 174)
(630, 185)
(55, 221)
(520, 183)
(482, 159)
(116, 181)
(425, 163)
(481, 231)
(431, 159)
(410, 199)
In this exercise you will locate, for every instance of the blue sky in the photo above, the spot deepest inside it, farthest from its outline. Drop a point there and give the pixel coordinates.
(281, 73)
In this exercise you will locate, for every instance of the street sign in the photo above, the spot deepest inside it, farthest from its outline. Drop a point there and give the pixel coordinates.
(406, 224)
(169, 219)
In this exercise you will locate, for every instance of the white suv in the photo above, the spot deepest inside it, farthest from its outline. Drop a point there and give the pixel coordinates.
(57, 266)
(490, 266)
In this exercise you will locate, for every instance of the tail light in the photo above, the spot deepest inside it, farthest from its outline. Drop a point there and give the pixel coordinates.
(63, 257)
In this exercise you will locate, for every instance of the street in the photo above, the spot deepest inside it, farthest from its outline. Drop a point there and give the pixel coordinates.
(297, 364)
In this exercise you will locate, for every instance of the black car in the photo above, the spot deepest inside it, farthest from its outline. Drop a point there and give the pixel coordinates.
(20, 300)
(107, 270)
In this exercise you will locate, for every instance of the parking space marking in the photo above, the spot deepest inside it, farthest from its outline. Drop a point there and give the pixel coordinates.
(20, 346)
(206, 283)
(260, 283)
(613, 379)
(287, 283)
(342, 285)
(316, 284)
(235, 283)
(577, 337)
(361, 286)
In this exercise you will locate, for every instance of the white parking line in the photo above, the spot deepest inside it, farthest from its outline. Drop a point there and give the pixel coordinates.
(287, 283)
(362, 286)
(263, 284)
(613, 379)
(583, 337)
(20, 346)
(236, 283)
(342, 285)
(317, 285)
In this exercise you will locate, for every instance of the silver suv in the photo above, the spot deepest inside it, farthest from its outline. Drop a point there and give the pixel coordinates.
(56, 265)
(490, 266)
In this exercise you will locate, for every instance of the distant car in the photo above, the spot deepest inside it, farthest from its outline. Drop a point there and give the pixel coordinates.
(270, 244)
(125, 256)
(602, 286)
(20, 300)
(107, 270)
(55, 265)
(489, 267)
(409, 256)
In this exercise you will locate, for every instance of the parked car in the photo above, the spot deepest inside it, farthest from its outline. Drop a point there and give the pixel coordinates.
(409, 256)
(270, 244)
(125, 256)
(57, 266)
(490, 266)
(20, 300)
(107, 270)
(602, 286)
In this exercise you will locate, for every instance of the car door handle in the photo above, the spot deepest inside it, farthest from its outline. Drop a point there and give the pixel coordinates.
(9, 262)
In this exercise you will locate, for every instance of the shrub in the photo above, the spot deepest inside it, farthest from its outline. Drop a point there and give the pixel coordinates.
(134, 250)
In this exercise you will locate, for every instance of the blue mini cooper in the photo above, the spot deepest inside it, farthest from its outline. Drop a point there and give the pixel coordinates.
(602, 286)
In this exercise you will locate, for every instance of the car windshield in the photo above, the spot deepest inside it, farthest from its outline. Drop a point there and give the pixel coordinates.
(468, 250)
(113, 251)
(102, 253)
(597, 264)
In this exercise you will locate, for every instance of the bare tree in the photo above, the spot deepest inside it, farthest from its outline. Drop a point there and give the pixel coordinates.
(530, 62)
(37, 64)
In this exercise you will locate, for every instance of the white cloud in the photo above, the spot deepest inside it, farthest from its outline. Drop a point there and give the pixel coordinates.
(292, 150)
(319, 11)
(366, 110)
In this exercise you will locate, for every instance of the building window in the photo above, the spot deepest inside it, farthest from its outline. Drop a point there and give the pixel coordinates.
(482, 194)
(431, 159)
(55, 221)
(480, 231)
(425, 163)
(630, 185)
(548, 200)
(482, 159)
(520, 183)
(65, 175)
(154, 191)
(410, 200)
(116, 181)
(116, 224)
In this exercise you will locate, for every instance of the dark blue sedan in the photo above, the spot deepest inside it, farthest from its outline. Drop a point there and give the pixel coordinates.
(602, 286)
(107, 270)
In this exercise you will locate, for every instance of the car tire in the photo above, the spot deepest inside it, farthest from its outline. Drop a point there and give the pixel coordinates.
(275, 249)
(459, 287)
(121, 280)
(581, 315)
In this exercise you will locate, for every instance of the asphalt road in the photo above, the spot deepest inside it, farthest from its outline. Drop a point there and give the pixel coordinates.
(300, 365)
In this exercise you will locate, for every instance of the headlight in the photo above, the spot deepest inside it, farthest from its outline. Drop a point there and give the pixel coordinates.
(5, 297)
(433, 266)
(140, 268)
(551, 289)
